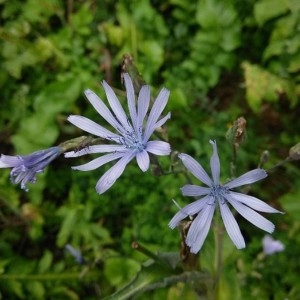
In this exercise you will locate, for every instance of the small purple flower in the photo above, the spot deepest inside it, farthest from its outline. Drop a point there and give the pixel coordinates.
(25, 167)
(271, 246)
(216, 194)
(132, 134)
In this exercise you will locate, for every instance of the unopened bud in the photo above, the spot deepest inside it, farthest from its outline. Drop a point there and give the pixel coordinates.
(294, 152)
(237, 134)
(264, 157)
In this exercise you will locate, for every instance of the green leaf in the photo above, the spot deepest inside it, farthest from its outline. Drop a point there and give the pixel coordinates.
(69, 221)
(153, 276)
(291, 204)
(265, 10)
(119, 270)
(45, 262)
(147, 275)
(36, 289)
(261, 86)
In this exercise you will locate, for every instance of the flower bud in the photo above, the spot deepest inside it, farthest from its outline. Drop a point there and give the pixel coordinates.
(237, 134)
(294, 152)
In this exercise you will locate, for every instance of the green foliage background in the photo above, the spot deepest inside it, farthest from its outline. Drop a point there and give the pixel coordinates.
(220, 60)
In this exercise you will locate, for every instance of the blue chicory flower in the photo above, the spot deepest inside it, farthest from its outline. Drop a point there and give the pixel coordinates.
(271, 246)
(216, 194)
(132, 136)
(24, 168)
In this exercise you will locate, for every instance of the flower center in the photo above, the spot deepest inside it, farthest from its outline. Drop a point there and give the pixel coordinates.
(218, 192)
(133, 141)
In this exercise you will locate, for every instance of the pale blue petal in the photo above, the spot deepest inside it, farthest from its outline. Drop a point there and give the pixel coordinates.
(162, 121)
(110, 176)
(91, 127)
(232, 226)
(99, 161)
(131, 100)
(215, 163)
(156, 111)
(103, 110)
(252, 216)
(143, 105)
(8, 161)
(176, 219)
(199, 228)
(189, 210)
(247, 178)
(143, 160)
(116, 106)
(195, 168)
(158, 147)
(96, 149)
(196, 206)
(194, 190)
(253, 202)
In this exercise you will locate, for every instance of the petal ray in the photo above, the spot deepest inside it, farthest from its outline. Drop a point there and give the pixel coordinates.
(232, 226)
(247, 178)
(195, 168)
(252, 216)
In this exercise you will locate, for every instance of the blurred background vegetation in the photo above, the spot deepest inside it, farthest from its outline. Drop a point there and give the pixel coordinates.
(220, 60)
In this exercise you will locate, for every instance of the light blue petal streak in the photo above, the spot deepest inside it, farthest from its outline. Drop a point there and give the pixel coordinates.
(143, 105)
(251, 215)
(158, 147)
(253, 202)
(215, 163)
(116, 106)
(110, 176)
(199, 228)
(131, 100)
(195, 168)
(96, 149)
(247, 178)
(194, 190)
(99, 161)
(91, 127)
(232, 226)
(156, 111)
(143, 160)
(103, 110)
(162, 121)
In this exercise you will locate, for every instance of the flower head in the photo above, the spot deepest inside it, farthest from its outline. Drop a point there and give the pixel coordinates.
(216, 194)
(24, 168)
(130, 135)
(271, 246)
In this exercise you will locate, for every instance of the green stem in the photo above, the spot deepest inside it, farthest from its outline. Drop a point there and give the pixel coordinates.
(218, 254)
(286, 160)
